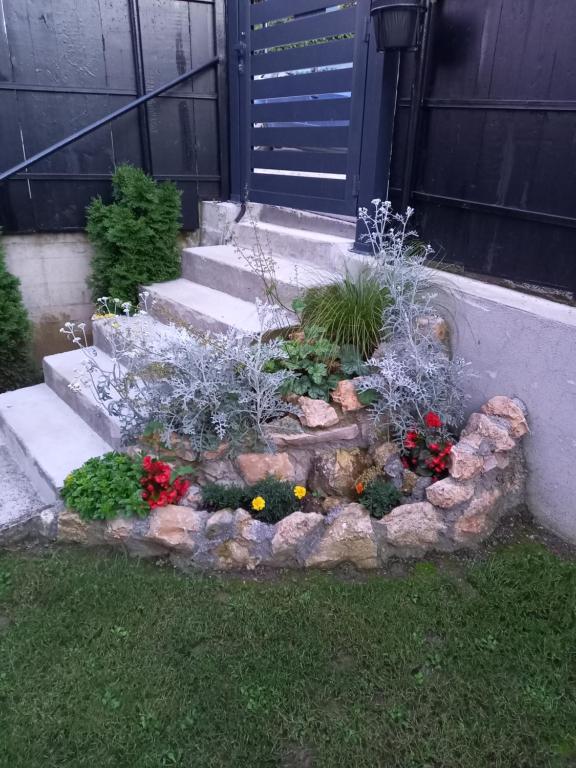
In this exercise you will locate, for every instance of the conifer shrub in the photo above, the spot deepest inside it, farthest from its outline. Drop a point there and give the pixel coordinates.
(16, 363)
(135, 238)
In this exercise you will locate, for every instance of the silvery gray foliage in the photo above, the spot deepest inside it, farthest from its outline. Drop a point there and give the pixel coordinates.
(413, 372)
(208, 387)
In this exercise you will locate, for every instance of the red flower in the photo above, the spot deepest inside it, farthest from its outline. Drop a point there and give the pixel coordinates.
(359, 488)
(434, 447)
(432, 420)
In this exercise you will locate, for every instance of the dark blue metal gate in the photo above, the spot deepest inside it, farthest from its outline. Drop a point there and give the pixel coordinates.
(298, 82)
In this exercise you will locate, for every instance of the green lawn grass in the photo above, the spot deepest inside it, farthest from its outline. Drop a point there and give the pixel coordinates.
(108, 662)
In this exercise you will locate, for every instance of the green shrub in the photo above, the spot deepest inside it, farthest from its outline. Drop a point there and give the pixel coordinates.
(380, 497)
(279, 499)
(106, 487)
(135, 237)
(311, 358)
(350, 311)
(16, 364)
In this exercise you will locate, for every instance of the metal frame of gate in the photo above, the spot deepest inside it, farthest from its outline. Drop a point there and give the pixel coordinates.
(298, 102)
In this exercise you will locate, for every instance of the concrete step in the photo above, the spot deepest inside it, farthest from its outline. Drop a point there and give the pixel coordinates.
(189, 304)
(46, 438)
(224, 266)
(62, 369)
(325, 252)
(141, 328)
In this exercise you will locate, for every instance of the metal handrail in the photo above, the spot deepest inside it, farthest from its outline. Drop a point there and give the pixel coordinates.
(107, 119)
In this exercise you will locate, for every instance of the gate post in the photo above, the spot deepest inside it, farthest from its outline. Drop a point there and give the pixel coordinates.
(377, 135)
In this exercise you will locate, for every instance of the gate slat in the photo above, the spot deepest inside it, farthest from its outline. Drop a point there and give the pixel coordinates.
(308, 203)
(309, 28)
(295, 160)
(300, 137)
(305, 57)
(335, 81)
(324, 110)
(299, 185)
(272, 10)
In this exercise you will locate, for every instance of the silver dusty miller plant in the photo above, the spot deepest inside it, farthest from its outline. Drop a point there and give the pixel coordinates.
(413, 372)
(207, 387)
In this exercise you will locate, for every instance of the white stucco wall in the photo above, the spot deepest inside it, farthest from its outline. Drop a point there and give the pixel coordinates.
(525, 346)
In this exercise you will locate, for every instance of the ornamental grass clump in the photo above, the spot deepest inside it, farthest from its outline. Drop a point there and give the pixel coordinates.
(135, 237)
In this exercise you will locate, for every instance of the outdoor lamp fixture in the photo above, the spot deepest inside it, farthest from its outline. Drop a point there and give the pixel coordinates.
(397, 23)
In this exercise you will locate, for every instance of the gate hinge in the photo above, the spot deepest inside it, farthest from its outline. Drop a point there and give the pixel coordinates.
(241, 49)
(356, 185)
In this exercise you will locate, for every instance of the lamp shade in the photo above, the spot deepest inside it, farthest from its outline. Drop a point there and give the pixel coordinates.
(396, 23)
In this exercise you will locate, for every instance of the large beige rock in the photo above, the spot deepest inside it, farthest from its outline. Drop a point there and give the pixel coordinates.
(511, 411)
(346, 397)
(119, 530)
(291, 534)
(413, 526)
(348, 538)
(248, 545)
(289, 433)
(219, 524)
(177, 528)
(335, 472)
(464, 461)
(479, 519)
(317, 413)
(257, 466)
(449, 493)
(489, 429)
(72, 529)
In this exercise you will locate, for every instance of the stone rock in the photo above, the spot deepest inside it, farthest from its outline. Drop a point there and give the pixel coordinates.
(394, 469)
(317, 413)
(257, 466)
(291, 535)
(289, 433)
(495, 461)
(479, 519)
(419, 491)
(464, 461)
(219, 524)
(384, 451)
(346, 397)
(335, 472)
(347, 538)
(449, 493)
(409, 480)
(72, 529)
(489, 428)
(217, 454)
(512, 411)
(221, 471)
(416, 526)
(249, 545)
(436, 328)
(333, 502)
(119, 530)
(193, 497)
(177, 528)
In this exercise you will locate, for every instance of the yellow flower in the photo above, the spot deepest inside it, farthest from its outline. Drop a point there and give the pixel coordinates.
(258, 504)
(103, 316)
(299, 491)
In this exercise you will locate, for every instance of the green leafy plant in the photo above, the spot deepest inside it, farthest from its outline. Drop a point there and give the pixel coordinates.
(106, 487)
(16, 365)
(135, 237)
(269, 500)
(378, 496)
(350, 311)
(309, 355)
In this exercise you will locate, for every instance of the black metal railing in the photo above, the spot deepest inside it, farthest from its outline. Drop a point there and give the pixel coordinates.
(27, 163)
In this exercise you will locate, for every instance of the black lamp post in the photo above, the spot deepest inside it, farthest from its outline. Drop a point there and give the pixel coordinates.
(397, 23)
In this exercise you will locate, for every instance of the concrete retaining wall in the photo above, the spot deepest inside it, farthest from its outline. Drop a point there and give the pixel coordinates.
(53, 270)
(524, 346)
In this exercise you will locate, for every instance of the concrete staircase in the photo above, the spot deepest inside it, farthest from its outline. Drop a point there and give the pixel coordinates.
(51, 429)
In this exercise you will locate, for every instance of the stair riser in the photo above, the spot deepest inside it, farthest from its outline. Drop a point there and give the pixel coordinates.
(241, 283)
(84, 405)
(44, 486)
(332, 257)
(287, 217)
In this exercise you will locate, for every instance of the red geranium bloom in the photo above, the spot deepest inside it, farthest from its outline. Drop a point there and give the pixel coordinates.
(432, 420)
